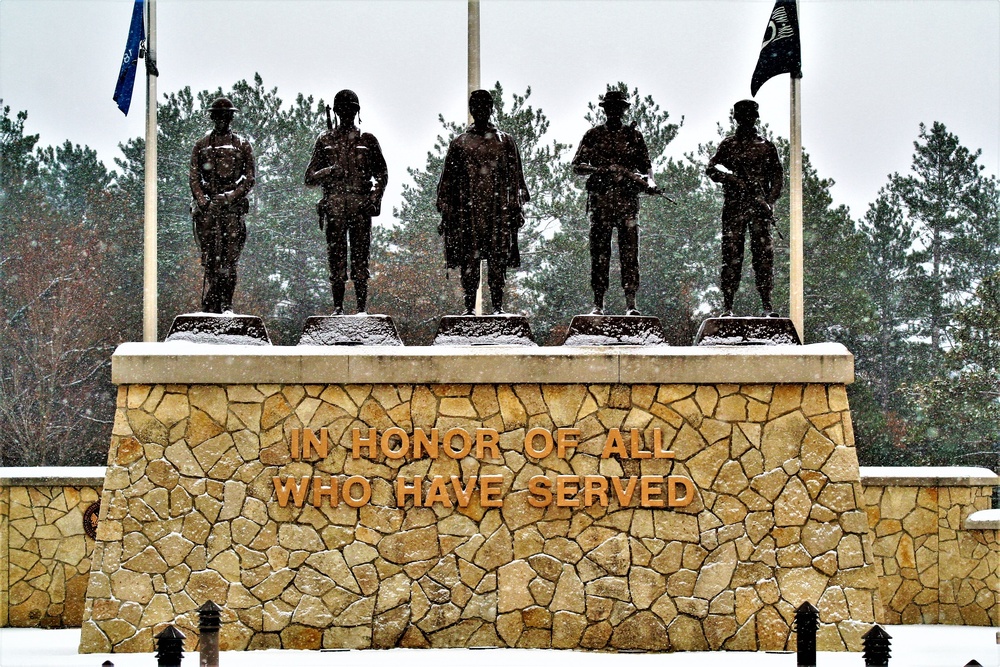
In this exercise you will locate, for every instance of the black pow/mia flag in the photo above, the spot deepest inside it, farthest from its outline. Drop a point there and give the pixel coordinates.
(780, 51)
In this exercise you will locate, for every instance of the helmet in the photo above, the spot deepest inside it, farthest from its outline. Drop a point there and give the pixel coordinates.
(746, 106)
(481, 96)
(222, 104)
(346, 98)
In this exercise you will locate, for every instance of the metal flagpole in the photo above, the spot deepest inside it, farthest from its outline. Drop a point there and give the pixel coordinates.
(795, 287)
(473, 60)
(149, 308)
(473, 49)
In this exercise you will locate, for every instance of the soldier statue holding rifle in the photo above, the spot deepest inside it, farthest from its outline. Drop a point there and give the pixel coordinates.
(348, 164)
(750, 172)
(616, 161)
(222, 173)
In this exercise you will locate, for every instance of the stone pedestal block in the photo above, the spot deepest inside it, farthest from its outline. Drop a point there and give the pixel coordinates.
(747, 331)
(484, 330)
(587, 330)
(350, 330)
(212, 329)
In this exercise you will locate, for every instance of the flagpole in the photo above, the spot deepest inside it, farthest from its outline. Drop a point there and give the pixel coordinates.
(796, 308)
(473, 84)
(149, 306)
(795, 270)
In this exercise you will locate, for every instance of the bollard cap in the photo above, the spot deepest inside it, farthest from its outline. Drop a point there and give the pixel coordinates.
(170, 633)
(876, 646)
(877, 634)
(107, 663)
(807, 608)
(209, 616)
(806, 617)
(169, 643)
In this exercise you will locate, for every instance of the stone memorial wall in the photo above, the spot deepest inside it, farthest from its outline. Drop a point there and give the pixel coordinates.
(675, 499)
(44, 551)
(935, 565)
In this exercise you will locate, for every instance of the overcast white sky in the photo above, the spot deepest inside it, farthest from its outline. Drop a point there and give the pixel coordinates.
(873, 69)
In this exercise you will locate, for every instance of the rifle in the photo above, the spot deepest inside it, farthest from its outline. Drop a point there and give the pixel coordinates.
(658, 192)
(329, 120)
(640, 180)
(757, 190)
(770, 215)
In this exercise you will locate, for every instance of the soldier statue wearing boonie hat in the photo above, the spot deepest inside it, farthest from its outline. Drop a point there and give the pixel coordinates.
(616, 162)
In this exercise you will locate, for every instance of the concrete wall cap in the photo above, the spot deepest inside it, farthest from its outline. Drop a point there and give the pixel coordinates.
(983, 520)
(928, 476)
(53, 476)
(189, 363)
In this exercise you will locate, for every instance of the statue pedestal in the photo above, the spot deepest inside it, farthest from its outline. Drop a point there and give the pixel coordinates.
(614, 330)
(747, 331)
(350, 330)
(484, 330)
(230, 329)
(222, 456)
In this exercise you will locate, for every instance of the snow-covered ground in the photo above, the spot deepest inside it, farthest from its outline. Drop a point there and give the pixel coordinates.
(912, 646)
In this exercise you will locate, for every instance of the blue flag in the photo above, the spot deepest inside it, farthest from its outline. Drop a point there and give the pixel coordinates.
(130, 61)
(780, 52)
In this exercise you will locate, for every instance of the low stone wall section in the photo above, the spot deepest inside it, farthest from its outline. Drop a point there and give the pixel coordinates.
(44, 552)
(935, 540)
(190, 514)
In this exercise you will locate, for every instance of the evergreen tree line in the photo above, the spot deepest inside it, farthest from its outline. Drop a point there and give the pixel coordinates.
(912, 287)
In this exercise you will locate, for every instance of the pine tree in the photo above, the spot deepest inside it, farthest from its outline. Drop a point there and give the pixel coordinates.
(937, 196)
(957, 419)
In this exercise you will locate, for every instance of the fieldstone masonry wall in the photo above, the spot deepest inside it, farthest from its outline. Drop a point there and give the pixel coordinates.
(44, 554)
(932, 568)
(189, 514)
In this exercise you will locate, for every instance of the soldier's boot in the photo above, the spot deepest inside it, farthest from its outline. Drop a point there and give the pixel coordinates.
(630, 308)
(226, 298)
(496, 297)
(470, 303)
(361, 294)
(765, 300)
(338, 297)
(727, 304)
(598, 308)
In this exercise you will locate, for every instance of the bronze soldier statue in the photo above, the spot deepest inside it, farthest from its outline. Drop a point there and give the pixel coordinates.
(348, 163)
(751, 184)
(615, 158)
(480, 196)
(222, 174)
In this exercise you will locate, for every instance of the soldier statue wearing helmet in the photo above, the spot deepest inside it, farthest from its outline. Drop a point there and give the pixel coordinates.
(751, 178)
(349, 166)
(221, 175)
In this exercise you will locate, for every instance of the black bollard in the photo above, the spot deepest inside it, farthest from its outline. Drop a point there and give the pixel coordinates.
(806, 624)
(876, 649)
(209, 620)
(973, 663)
(107, 663)
(169, 647)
